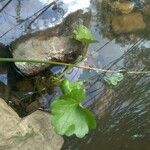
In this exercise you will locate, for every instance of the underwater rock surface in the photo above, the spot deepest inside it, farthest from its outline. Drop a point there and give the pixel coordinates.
(146, 10)
(46, 35)
(61, 49)
(128, 23)
(124, 7)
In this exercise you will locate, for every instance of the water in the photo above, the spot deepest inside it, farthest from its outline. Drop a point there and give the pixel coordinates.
(122, 112)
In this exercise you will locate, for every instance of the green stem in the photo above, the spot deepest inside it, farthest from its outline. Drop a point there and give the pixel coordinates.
(68, 65)
(35, 61)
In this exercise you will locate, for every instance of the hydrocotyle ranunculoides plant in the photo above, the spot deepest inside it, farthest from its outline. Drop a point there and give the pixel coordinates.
(68, 115)
(114, 78)
(83, 34)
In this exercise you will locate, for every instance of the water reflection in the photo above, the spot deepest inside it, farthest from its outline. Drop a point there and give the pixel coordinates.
(123, 113)
(126, 21)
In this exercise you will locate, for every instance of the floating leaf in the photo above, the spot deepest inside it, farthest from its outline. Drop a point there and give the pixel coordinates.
(114, 78)
(68, 115)
(83, 34)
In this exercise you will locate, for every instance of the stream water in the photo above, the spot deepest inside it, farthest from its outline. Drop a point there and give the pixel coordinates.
(123, 112)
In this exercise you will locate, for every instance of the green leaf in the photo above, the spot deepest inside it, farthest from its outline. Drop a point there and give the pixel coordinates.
(114, 78)
(73, 90)
(69, 117)
(65, 86)
(83, 34)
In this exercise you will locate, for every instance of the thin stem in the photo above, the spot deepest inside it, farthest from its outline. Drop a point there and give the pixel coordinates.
(21, 60)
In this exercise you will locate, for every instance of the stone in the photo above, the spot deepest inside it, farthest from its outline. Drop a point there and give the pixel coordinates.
(25, 85)
(33, 106)
(128, 23)
(122, 7)
(48, 39)
(61, 49)
(146, 10)
(30, 133)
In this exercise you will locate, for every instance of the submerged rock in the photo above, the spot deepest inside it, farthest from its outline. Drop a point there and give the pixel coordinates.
(128, 23)
(30, 133)
(52, 41)
(62, 49)
(122, 7)
(146, 10)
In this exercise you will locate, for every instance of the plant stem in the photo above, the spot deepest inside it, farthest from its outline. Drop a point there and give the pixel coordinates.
(21, 60)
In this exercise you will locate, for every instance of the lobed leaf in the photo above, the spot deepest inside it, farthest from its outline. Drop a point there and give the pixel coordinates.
(83, 34)
(68, 115)
(114, 78)
(71, 118)
(73, 90)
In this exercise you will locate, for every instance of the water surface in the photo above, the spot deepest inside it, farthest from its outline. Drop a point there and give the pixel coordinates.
(122, 112)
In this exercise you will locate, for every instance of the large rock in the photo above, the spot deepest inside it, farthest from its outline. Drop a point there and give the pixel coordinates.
(61, 49)
(31, 133)
(146, 10)
(51, 41)
(128, 23)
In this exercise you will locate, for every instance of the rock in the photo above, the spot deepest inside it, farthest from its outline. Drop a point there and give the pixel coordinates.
(146, 10)
(128, 23)
(30, 133)
(122, 7)
(25, 85)
(33, 106)
(51, 41)
(62, 49)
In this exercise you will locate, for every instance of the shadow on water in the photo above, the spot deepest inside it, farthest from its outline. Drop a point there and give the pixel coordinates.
(122, 112)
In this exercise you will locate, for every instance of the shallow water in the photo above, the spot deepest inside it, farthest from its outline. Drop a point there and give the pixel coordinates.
(122, 112)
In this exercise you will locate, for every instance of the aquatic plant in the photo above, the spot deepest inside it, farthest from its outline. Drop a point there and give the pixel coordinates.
(83, 34)
(114, 78)
(68, 114)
